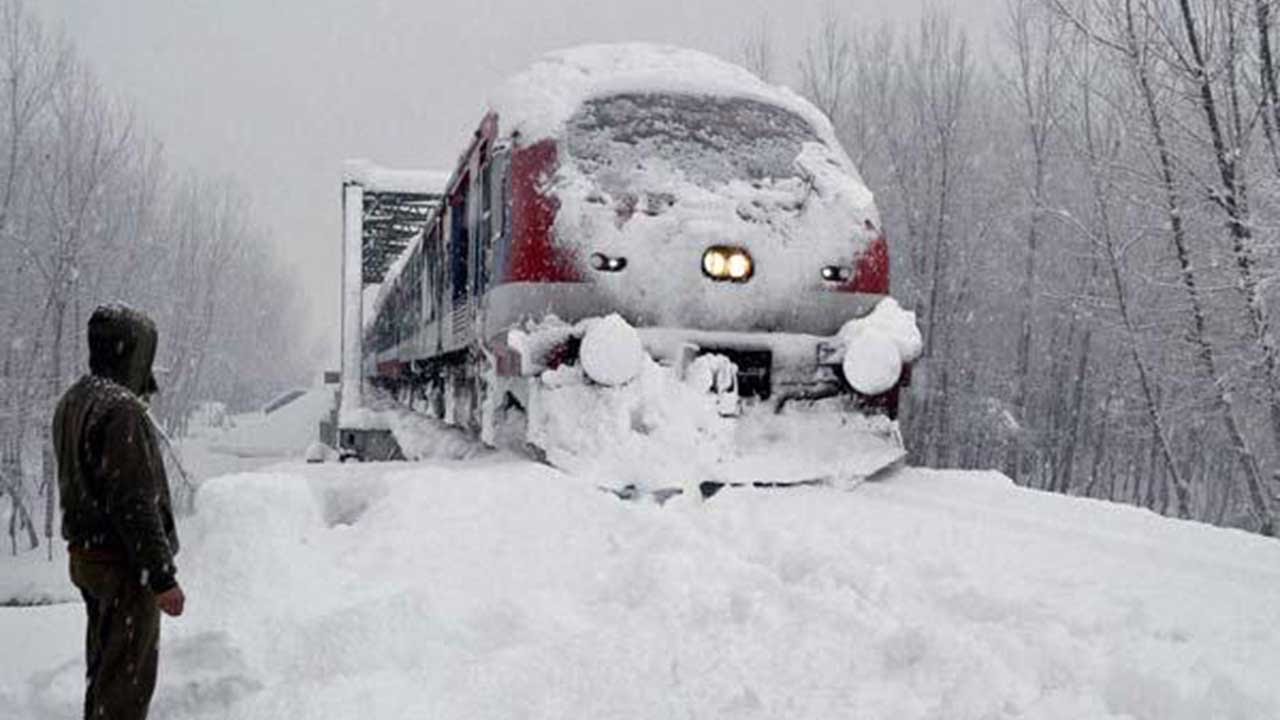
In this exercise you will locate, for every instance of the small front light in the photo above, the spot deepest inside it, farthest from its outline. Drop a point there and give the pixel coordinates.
(836, 273)
(607, 263)
(739, 266)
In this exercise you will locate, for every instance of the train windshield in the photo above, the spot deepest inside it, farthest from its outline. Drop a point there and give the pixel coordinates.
(710, 141)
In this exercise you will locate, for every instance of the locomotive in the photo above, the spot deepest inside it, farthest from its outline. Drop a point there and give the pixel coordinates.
(713, 212)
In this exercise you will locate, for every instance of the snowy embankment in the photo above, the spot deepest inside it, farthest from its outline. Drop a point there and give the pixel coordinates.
(246, 442)
(497, 588)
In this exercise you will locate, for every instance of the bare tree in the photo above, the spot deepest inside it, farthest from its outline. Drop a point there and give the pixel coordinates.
(756, 50)
(89, 213)
(827, 66)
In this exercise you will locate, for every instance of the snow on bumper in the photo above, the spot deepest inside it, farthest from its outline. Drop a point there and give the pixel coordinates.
(869, 352)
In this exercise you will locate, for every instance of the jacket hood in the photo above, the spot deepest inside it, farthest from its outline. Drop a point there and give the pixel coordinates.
(122, 347)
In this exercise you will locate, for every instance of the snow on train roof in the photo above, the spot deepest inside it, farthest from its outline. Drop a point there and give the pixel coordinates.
(538, 101)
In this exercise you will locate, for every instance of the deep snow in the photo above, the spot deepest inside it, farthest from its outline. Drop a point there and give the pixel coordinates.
(499, 588)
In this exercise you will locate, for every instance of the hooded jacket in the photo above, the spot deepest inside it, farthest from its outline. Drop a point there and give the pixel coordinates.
(111, 479)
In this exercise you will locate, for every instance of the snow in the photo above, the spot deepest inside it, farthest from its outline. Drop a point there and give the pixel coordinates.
(286, 432)
(611, 352)
(674, 427)
(871, 362)
(419, 437)
(375, 178)
(30, 578)
(497, 588)
(538, 101)
(893, 322)
(876, 347)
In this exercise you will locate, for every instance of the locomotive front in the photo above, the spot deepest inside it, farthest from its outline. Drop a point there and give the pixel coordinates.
(725, 223)
(692, 285)
(716, 216)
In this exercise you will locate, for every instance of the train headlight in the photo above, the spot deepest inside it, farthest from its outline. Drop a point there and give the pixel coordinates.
(608, 263)
(727, 263)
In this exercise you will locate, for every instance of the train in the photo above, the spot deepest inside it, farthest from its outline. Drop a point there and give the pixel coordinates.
(713, 212)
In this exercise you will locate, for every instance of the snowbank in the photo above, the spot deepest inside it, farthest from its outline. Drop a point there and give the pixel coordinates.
(286, 432)
(621, 415)
(499, 588)
(31, 578)
(420, 437)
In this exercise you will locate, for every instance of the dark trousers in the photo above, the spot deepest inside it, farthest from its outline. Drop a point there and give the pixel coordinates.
(122, 641)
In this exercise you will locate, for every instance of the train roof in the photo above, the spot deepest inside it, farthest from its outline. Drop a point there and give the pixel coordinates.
(537, 102)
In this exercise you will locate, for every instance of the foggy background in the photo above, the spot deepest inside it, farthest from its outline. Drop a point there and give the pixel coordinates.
(278, 94)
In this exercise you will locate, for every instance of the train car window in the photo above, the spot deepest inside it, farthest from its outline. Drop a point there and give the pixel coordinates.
(484, 229)
(431, 263)
(459, 246)
(500, 216)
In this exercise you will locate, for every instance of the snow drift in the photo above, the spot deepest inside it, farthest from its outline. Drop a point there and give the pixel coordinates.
(498, 588)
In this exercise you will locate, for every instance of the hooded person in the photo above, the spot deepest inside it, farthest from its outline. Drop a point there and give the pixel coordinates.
(117, 516)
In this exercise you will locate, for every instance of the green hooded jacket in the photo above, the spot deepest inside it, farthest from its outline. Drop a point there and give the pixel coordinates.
(111, 479)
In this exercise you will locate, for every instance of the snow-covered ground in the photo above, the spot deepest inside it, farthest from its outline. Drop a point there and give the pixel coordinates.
(494, 587)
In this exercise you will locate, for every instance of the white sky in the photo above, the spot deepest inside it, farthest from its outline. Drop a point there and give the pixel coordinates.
(277, 93)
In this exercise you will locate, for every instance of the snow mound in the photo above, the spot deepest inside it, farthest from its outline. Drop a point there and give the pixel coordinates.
(286, 432)
(420, 437)
(611, 352)
(878, 345)
(665, 430)
(499, 588)
(318, 452)
(895, 323)
(872, 362)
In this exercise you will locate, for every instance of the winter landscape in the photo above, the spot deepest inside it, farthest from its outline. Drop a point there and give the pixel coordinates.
(633, 360)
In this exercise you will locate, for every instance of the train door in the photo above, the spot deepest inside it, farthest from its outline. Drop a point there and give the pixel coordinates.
(433, 281)
(484, 215)
(489, 258)
(500, 216)
(459, 264)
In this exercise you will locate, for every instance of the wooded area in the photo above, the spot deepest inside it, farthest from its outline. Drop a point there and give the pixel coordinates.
(91, 213)
(1084, 217)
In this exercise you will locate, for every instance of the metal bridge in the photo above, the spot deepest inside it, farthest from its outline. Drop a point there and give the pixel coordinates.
(383, 210)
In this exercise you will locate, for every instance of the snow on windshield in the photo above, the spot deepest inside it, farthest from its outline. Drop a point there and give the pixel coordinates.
(708, 140)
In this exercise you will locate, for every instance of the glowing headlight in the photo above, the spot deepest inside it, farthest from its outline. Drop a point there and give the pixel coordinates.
(727, 263)
(715, 263)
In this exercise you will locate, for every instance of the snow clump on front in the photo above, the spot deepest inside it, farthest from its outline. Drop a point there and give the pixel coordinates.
(611, 352)
(878, 345)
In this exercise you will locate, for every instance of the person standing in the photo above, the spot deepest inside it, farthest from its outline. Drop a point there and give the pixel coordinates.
(117, 517)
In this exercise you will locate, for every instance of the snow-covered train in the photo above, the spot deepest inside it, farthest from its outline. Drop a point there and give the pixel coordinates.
(713, 212)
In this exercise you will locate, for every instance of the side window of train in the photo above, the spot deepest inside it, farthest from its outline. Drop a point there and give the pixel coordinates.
(459, 246)
(430, 271)
(484, 227)
(500, 226)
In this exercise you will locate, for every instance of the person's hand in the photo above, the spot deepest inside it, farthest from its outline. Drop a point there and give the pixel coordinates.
(171, 601)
